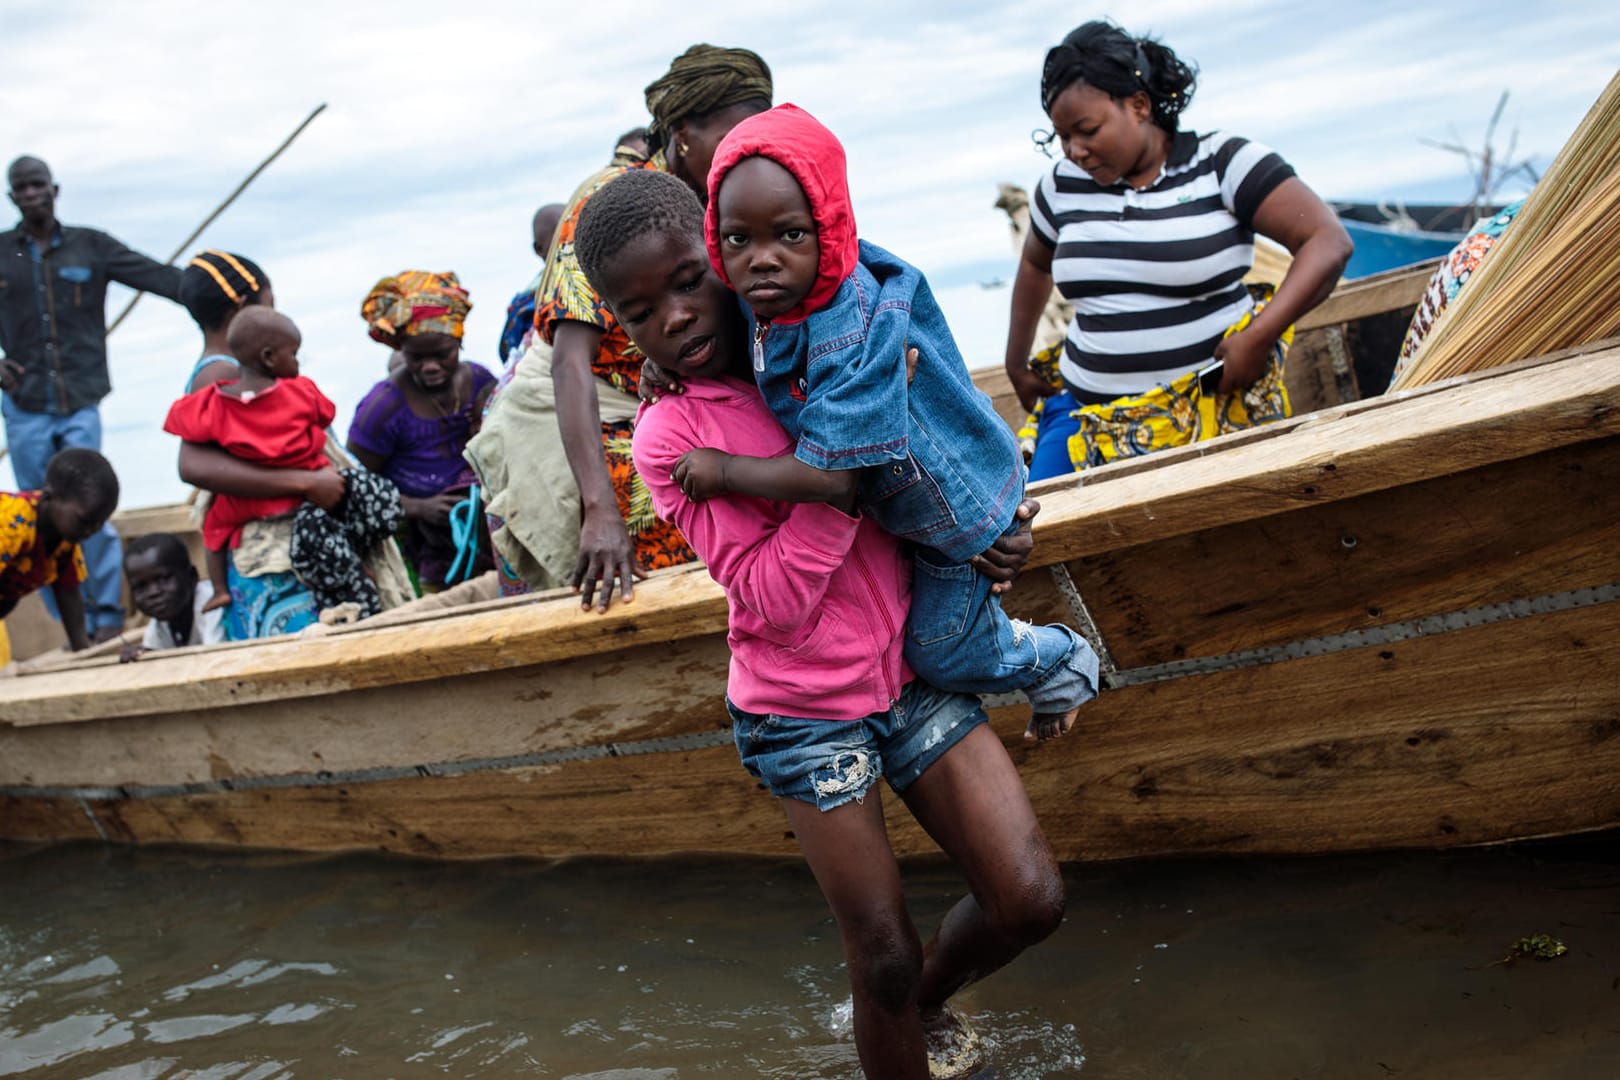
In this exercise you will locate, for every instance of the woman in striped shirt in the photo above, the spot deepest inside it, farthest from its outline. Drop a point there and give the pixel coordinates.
(1148, 230)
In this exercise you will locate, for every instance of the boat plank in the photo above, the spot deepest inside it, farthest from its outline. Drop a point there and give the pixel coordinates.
(669, 606)
(1513, 415)
(1509, 730)
(1501, 731)
(1460, 541)
(632, 694)
(1373, 295)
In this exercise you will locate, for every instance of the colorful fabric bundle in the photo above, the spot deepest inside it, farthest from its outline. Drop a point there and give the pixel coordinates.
(415, 302)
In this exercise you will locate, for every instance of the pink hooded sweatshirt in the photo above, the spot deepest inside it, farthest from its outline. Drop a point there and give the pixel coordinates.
(818, 598)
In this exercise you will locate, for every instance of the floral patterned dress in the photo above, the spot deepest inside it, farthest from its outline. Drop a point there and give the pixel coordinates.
(566, 295)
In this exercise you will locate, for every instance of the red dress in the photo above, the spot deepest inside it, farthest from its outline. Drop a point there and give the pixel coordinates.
(283, 426)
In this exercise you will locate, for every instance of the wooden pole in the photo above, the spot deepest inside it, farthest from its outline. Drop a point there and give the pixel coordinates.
(221, 208)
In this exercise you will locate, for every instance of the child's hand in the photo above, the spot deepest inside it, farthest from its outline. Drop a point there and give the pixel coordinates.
(131, 652)
(701, 474)
(656, 380)
(1001, 561)
(220, 599)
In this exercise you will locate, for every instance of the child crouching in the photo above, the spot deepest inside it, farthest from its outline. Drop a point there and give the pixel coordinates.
(40, 533)
(166, 589)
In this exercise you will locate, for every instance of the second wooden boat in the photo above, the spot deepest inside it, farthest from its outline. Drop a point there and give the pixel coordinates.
(1381, 625)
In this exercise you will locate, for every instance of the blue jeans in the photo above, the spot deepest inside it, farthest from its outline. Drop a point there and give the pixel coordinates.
(959, 638)
(832, 762)
(33, 438)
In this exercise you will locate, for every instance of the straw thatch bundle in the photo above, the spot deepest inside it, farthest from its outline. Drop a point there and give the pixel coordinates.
(1553, 280)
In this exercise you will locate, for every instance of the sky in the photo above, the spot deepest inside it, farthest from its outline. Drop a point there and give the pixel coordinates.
(447, 125)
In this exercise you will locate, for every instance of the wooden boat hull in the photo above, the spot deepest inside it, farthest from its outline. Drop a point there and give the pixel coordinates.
(1386, 627)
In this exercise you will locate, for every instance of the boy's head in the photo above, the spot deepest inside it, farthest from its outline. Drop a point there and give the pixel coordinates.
(162, 580)
(640, 242)
(779, 227)
(265, 341)
(80, 493)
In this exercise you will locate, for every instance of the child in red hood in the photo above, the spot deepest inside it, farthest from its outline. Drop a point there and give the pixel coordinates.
(831, 318)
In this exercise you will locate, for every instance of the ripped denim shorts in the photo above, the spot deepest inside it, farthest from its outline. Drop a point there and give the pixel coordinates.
(830, 762)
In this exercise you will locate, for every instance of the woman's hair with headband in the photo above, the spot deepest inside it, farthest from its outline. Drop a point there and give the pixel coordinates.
(216, 285)
(703, 80)
(1103, 56)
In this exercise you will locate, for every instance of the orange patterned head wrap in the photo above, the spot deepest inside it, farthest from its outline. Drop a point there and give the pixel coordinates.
(415, 302)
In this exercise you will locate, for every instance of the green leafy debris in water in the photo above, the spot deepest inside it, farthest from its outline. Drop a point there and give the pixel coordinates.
(1535, 947)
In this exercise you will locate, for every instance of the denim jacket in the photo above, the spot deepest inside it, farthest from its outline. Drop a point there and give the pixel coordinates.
(941, 469)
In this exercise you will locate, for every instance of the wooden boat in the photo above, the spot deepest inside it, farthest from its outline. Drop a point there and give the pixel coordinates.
(1381, 625)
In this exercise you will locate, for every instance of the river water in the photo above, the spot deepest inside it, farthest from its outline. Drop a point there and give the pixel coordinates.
(141, 963)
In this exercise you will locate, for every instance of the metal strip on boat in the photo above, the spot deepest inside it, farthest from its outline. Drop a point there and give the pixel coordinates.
(330, 778)
(1426, 626)
(1083, 620)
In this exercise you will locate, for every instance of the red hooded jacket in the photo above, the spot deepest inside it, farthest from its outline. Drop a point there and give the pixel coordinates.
(803, 146)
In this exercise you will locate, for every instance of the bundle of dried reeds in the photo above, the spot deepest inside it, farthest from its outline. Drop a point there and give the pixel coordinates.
(1553, 280)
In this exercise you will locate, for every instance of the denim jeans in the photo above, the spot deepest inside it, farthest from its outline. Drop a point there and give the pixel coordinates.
(832, 762)
(959, 638)
(1057, 426)
(32, 439)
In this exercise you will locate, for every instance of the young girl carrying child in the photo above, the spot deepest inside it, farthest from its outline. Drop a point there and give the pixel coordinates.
(276, 417)
(822, 699)
(831, 318)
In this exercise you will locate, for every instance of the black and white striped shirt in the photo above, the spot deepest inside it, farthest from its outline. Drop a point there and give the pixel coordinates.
(1155, 275)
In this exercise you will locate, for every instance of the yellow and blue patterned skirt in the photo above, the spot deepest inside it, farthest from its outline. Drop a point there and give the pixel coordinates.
(1174, 414)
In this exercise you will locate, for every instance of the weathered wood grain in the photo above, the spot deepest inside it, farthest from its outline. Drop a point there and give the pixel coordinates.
(1401, 441)
(1483, 735)
(1478, 537)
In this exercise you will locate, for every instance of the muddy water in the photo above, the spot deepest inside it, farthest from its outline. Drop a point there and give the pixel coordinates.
(117, 963)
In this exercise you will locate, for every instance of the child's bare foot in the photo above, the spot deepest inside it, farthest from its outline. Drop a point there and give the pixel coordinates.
(220, 599)
(1043, 726)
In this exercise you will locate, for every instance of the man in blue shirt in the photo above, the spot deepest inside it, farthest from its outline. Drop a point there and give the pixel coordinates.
(53, 352)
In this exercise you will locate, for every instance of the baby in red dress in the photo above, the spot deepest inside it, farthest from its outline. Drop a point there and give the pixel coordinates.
(271, 416)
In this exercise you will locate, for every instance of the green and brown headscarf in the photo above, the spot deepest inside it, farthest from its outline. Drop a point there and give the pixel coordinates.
(700, 80)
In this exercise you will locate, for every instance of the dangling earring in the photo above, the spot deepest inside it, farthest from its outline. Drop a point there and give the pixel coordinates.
(684, 149)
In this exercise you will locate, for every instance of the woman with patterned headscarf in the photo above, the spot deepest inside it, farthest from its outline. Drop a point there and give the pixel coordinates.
(413, 425)
(588, 393)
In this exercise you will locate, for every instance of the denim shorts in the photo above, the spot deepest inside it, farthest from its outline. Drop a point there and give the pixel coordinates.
(831, 762)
